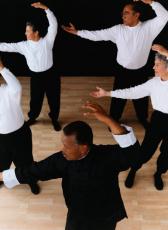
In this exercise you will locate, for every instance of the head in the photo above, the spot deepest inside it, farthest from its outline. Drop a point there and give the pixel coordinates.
(32, 32)
(131, 14)
(161, 66)
(77, 139)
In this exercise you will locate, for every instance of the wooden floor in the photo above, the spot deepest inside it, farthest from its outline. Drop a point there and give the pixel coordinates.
(20, 210)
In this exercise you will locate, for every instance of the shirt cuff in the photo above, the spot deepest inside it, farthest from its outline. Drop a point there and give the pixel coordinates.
(125, 140)
(153, 4)
(47, 11)
(9, 178)
(3, 70)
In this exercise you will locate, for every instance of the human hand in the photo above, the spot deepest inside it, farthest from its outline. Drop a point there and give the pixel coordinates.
(70, 29)
(39, 5)
(100, 93)
(160, 49)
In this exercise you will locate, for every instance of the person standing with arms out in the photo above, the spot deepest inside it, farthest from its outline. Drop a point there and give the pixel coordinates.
(133, 39)
(89, 172)
(39, 56)
(157, 89)
(15, 135)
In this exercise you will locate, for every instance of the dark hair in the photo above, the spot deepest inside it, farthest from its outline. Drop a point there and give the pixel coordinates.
(162, 58)
(136, 6)
(81, 130)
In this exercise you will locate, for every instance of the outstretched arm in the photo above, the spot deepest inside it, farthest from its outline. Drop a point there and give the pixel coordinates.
(53, 25)
(109, 34)
(49, 168)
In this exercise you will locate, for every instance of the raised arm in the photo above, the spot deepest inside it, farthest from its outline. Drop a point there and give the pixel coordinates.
(53, 25)
(12, 83)
(160, 49)
(157, 24)
(127, 151)
(49, 168)
(99, 113)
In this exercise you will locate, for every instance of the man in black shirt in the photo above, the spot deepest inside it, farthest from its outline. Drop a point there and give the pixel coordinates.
(89, 172)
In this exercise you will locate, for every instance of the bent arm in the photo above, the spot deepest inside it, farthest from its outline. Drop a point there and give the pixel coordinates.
(53, 26)
(157, 24)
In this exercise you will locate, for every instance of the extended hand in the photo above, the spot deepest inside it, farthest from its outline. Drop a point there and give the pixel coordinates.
(95, 110)
(70, 29)
(39, 5)
(100, 93)
(160, 49)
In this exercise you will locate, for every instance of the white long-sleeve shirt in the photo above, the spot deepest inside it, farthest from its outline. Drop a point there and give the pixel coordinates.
(11, 115)
(125, 140)
(38, 54)
(133, 43)
(156, 88)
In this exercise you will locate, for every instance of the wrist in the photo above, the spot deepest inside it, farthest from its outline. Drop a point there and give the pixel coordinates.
(1, 68)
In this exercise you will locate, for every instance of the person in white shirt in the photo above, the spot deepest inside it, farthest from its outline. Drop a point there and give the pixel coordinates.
(39, 56)
(157, 89)
(89, 172)
(133, 39)
(15, 135)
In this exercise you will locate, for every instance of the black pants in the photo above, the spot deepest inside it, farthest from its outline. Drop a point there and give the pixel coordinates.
(45, 82)
(16, 147)
(74, 223)
(126, 78)
(156, 133)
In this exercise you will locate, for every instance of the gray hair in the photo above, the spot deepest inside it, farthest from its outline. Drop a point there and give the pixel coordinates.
(162, 58)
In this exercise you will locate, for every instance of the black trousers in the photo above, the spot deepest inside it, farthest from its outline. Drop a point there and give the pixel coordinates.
(156, 133)
(74, 223)
(47, 82)
(16, 147)
(125, 78)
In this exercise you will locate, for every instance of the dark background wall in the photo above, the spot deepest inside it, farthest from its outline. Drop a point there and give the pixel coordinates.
(72, 55)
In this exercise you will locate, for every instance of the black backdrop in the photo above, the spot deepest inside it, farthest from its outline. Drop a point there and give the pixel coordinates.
(72, 55)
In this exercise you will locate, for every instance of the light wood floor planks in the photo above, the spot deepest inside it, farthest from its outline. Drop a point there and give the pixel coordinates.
(20, 210)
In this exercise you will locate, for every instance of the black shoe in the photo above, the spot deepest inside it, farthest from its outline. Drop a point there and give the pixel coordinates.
(31, 121)
(158, 182)
(130, 179)
(35, 189)
(56, 125)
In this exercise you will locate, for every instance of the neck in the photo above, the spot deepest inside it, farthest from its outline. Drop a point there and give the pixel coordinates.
(36, 39)
(134, 24)
(164, 77)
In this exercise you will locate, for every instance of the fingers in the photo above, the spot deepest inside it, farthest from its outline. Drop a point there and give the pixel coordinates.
(71, 25)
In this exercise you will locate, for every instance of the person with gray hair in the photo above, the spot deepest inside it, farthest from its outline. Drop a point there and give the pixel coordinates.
(157, 89)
